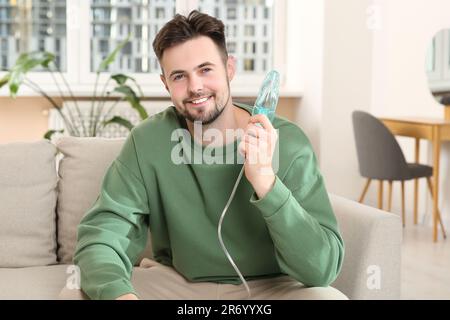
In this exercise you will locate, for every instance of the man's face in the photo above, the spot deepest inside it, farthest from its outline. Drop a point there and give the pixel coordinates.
(197, 79)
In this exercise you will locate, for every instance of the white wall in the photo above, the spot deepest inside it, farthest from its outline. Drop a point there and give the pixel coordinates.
(308, 55)
(373, 59)
(400, 86)
(347, 76)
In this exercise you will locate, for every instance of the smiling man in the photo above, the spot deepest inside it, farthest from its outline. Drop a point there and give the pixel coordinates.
(197, 74)
(280, 228)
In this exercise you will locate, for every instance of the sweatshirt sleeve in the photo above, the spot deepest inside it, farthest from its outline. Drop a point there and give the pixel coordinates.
(302, 224)
(114, 231)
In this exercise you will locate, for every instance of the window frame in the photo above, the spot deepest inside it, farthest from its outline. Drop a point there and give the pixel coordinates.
(45, 79)
(82, 81)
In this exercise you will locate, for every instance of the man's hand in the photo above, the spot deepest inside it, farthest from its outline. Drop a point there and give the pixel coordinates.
(128, 296)
(258, 146)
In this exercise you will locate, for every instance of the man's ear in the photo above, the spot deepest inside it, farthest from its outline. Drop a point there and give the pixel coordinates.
(163, 79)
(231, 67)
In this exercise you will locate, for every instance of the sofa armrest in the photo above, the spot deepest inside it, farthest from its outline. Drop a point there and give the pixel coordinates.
(372, 237)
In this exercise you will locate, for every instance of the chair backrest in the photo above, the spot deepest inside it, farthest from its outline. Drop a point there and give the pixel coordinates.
(379, 154)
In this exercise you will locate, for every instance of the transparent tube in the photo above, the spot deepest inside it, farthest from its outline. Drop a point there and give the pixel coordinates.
(266, 103)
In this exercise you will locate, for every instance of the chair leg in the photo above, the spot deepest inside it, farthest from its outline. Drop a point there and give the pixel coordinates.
(380, 195)
(430, 187)
(366, 187)
(390, 196)
(403, 202)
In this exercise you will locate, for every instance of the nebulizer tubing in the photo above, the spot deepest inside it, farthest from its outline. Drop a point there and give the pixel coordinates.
(266, 103)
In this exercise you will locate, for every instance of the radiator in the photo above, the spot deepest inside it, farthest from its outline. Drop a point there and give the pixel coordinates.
(122, 109)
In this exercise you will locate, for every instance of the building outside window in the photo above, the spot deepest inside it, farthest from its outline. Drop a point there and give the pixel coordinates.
(249, 24)
(30, 25)
(112, 21)
(81, 33)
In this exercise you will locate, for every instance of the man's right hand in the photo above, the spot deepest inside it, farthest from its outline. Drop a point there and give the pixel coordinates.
(128, 296)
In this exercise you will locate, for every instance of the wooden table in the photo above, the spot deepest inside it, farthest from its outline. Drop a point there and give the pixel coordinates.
(433, 129)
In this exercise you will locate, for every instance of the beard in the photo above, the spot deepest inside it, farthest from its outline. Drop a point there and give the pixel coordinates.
(203, 116)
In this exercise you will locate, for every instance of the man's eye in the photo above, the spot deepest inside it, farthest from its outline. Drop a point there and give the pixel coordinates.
(206, 70)
(178, 77)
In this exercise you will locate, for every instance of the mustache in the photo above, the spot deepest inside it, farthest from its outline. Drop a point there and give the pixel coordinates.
(198, 95)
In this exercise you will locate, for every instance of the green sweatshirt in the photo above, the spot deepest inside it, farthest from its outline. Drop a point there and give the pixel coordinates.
(292, 230)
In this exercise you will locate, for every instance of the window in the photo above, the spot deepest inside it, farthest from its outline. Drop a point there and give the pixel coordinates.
(82, 33)
(32, 25)
(249, 30)
(231, 47)
(160, 13)
(250, 47)
(231, 13)
(249, 64)
(113, 21)
(245, 37)
(4, 45)
(104, 46)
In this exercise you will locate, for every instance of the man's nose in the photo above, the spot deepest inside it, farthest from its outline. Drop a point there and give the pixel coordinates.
(195, 84)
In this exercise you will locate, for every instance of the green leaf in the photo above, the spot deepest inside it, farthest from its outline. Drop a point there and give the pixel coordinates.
(4, 80)
(112, 56)
(15, 81)
(25, 63)
(48, 135)
(29, 61)
(120, 121)
(133, 99)
(121, 79)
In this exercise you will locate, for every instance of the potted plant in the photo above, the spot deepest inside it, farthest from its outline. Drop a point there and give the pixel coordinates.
(75, 122)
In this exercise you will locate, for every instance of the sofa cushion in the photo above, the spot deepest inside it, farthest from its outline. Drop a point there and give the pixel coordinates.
(27, 204)
(81, 171)
(32, 283)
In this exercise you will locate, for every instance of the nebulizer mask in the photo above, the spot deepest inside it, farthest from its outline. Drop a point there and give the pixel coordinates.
(266, 103)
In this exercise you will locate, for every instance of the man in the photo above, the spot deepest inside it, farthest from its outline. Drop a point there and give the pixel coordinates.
(279, 229)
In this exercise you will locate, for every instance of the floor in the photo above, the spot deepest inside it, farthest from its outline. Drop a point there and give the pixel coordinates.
(425, 265)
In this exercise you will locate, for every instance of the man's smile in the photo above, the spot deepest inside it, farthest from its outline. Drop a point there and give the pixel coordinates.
(200, 101)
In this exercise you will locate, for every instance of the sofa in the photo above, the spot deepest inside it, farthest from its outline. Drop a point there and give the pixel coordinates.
(46, 188)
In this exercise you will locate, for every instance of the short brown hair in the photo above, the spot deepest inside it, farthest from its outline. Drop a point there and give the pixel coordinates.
(181, 29)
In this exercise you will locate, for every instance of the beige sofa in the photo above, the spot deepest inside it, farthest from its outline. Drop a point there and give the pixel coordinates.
(43, 199)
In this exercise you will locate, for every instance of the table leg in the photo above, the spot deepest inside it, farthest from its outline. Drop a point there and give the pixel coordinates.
(416, 181)
(436, 158)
